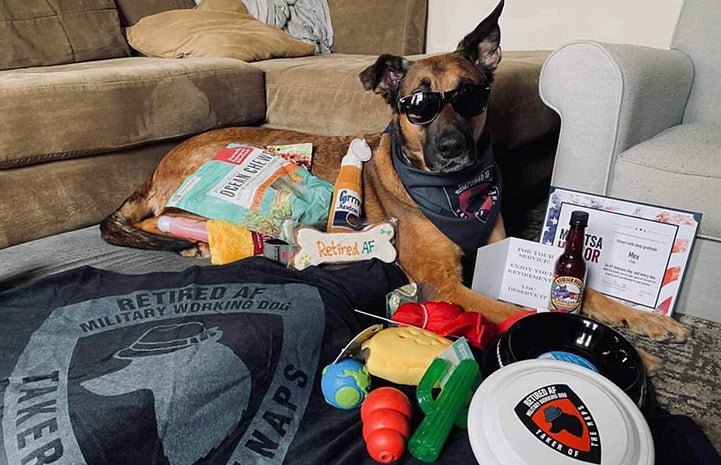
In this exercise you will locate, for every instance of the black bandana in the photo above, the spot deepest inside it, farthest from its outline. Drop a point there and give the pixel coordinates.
(463, 205)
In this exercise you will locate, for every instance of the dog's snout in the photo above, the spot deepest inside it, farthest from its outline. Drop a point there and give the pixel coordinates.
(451, 144)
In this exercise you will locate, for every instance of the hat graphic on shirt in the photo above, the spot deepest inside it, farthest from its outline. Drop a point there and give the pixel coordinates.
(165, 339)
(560, 421)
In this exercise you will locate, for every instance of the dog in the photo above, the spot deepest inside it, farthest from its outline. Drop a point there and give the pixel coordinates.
(438, 120)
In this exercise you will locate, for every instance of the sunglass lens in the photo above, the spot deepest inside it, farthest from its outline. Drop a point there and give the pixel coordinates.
(471, 101)
(422, 107)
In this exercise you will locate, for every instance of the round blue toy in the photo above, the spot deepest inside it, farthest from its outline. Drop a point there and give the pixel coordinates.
(345, 383)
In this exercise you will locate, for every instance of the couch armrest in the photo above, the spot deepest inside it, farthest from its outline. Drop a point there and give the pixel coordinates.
(374, 27)
(610, 97)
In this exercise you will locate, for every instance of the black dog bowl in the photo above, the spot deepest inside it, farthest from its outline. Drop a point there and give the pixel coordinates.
(573, 338)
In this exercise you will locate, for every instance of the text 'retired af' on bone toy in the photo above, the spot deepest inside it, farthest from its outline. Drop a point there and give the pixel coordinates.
(316, 247)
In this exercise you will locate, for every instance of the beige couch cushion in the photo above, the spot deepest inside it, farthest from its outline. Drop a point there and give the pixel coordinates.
(370, 26)
(49, 32)
(51, 198)
(323, 94)
(131, 11)
(74, 110)
(208, 33)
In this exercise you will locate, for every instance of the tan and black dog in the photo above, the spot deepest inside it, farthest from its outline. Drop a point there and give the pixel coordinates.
(445, 144)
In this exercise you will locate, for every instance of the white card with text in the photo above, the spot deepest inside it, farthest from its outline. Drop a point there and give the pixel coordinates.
(636, 253)
(516, 271)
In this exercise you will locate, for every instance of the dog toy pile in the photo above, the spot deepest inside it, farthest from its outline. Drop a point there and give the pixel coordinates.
(410, 356)
(426, 349)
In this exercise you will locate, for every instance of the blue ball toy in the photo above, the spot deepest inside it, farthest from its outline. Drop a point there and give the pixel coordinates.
(345, 384)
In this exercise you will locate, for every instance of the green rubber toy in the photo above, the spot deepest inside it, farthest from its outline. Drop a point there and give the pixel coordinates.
(449, 408)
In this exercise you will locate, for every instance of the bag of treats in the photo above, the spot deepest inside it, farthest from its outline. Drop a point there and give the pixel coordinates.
(254, 188)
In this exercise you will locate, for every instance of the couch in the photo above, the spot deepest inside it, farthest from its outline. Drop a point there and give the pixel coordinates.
(644, 124)
(85, 120)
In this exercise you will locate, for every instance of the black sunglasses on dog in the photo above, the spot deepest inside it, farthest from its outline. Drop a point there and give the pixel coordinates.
(424, 107)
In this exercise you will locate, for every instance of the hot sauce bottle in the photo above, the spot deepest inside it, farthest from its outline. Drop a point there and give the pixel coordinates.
(569, 273)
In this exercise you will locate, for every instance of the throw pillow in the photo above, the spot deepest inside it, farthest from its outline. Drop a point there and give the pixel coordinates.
(208, 33)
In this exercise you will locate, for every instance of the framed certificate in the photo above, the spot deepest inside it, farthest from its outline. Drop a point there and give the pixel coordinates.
(636, 253)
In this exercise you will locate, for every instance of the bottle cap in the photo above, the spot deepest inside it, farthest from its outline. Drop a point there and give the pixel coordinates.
(164, 223)
(352, 160)
(360, 149)
(579, 218)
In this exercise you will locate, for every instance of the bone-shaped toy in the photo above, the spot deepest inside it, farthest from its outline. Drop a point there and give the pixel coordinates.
(317, 247)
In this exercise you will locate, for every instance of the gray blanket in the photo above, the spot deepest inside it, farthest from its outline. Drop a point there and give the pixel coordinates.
(306, 20)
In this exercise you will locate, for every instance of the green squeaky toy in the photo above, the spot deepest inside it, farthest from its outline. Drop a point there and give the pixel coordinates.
(449, 408)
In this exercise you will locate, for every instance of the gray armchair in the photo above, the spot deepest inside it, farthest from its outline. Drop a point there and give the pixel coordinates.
(645, 124)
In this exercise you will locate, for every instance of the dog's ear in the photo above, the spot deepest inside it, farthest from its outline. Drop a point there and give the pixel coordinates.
(384, 76)
(483, 46)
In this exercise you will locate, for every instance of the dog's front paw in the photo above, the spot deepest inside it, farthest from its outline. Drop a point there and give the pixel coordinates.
(657, 327)
(650, 362)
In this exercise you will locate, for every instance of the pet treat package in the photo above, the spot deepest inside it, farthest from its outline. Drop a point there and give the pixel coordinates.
(254, 188)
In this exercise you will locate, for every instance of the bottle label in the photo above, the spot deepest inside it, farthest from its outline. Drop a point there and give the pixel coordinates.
(566, 294)
(347, 209)
(567, 357)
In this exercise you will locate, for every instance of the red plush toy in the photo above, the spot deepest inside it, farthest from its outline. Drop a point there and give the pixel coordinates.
(447, 319)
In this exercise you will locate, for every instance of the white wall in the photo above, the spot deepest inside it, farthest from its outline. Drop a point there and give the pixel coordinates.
(547, 24)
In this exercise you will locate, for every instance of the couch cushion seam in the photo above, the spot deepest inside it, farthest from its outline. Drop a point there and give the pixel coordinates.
(77, 154)
(57, 15)
(667, 170)
(135, 80)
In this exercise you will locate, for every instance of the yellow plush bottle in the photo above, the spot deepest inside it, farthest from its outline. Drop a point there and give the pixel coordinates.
(345, 208)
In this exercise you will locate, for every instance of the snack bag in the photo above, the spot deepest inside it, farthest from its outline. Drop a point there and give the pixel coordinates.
(252, 187)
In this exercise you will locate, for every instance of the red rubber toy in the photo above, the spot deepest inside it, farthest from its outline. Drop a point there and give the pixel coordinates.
(386, 414)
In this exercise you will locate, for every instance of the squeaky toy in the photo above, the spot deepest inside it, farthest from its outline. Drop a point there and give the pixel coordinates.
(449, 407)
(345, 384)
(402, 355)
(316, 247)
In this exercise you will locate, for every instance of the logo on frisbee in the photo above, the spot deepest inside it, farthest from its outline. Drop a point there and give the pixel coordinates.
(557, 417)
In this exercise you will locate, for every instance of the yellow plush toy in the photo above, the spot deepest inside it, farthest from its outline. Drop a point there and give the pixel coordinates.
(402, 355)
(230, 242)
